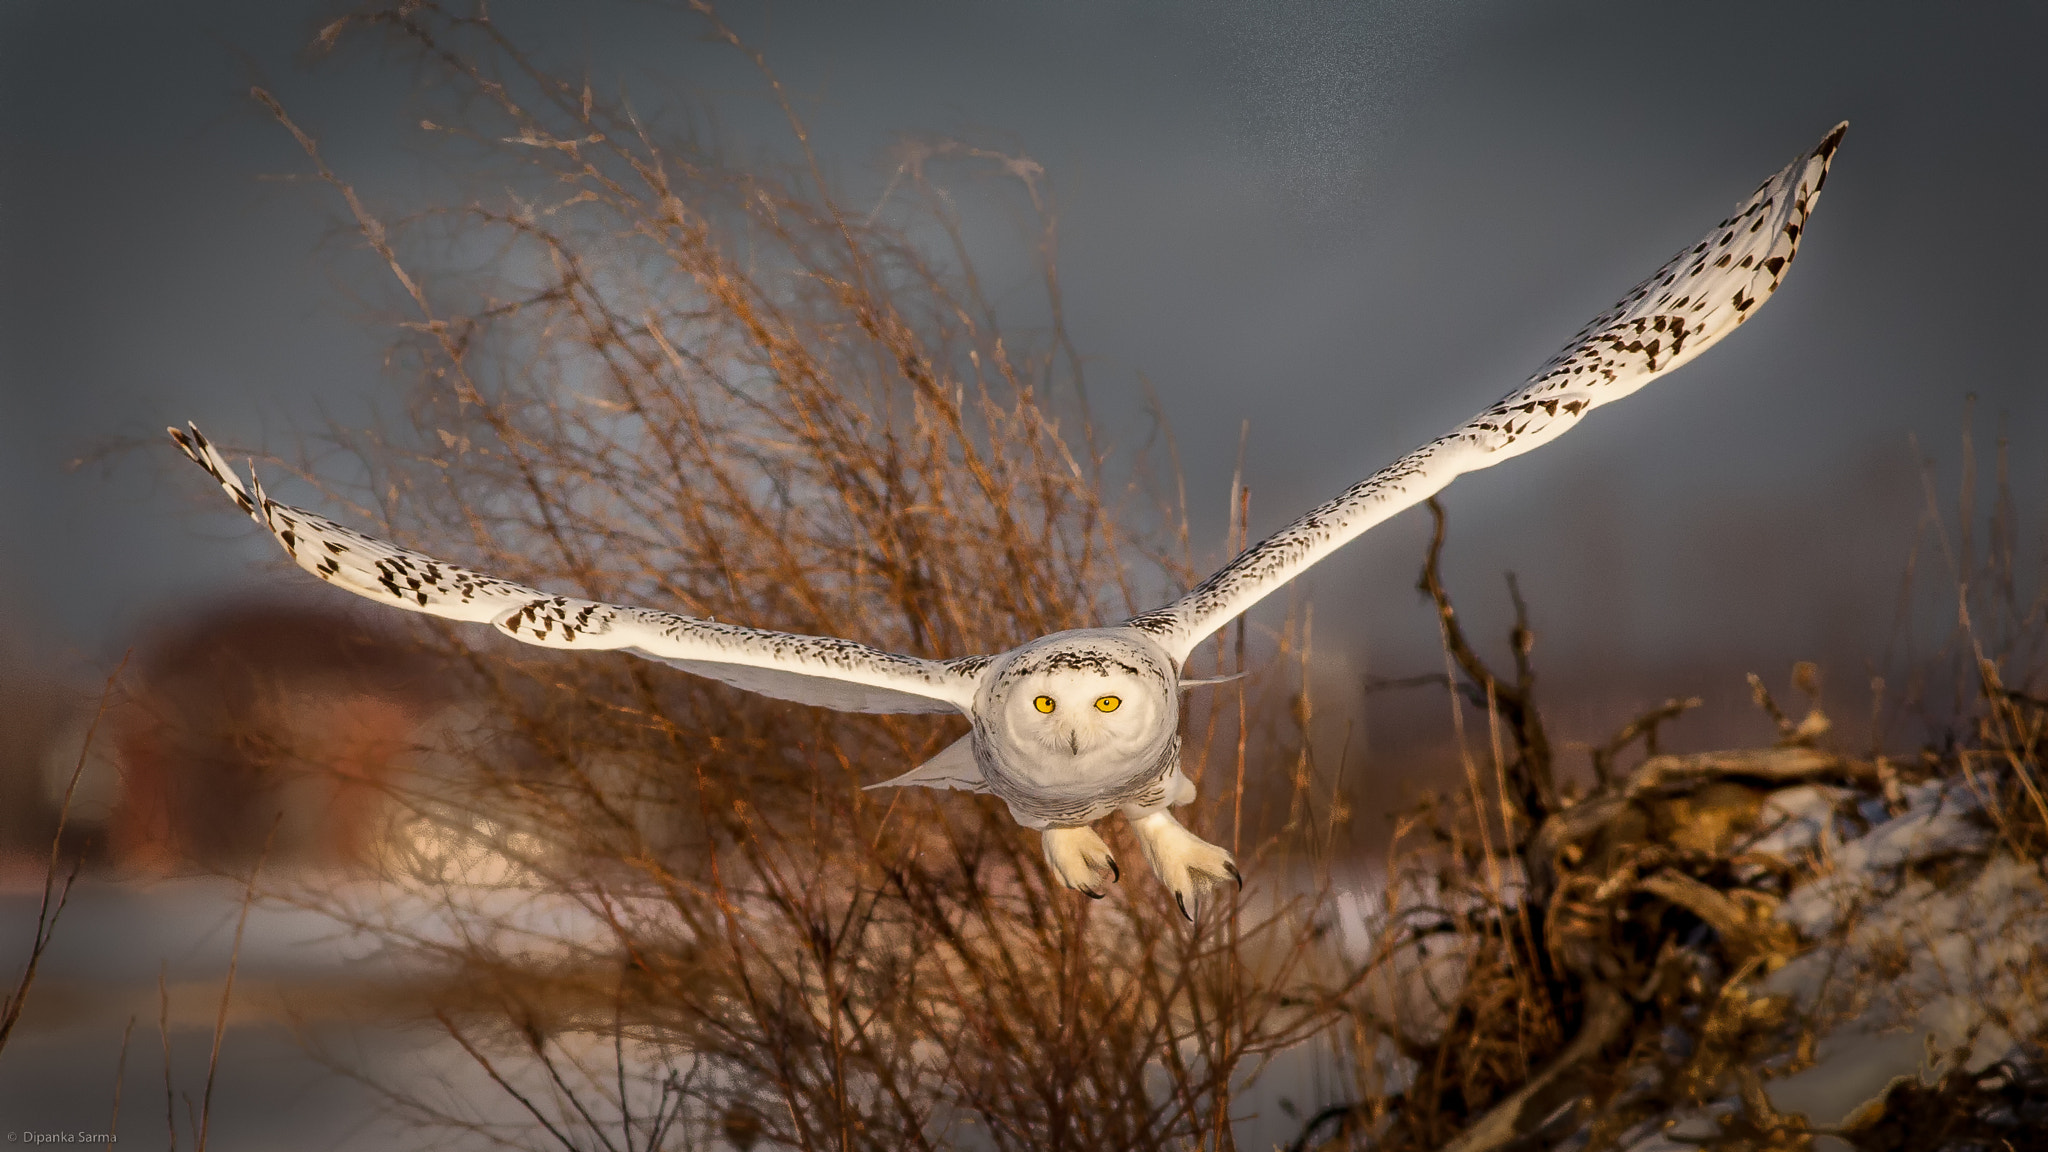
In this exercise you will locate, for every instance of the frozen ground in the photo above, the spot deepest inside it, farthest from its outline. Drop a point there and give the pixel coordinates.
(1926, 935)
(301, 988)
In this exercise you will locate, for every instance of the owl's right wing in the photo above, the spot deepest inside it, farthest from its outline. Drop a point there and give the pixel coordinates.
(820, 670)
(1695, 299)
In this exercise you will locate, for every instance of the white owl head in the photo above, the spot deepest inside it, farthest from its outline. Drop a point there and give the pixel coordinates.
(1076, 699)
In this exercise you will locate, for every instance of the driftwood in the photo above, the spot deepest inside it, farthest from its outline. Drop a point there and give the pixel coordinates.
(1618, 810)
(1608, 1012)
(1600, 871)
(1665, 776)
(1528, 778)
(1777, 767)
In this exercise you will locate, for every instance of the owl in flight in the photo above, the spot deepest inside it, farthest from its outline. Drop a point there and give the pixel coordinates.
(1074, 726)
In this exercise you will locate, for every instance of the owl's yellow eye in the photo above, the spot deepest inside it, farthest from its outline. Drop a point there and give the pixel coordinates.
(1045, 704)
(1107, 703)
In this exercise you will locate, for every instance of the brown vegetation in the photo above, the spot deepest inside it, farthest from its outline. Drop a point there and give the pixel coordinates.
(712, 386)
(657, 912)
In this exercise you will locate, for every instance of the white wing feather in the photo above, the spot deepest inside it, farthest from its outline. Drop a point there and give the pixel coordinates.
(1696, 298)
(819, 670)
(954, 768)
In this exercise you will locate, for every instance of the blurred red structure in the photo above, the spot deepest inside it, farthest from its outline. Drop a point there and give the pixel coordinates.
(254, 717)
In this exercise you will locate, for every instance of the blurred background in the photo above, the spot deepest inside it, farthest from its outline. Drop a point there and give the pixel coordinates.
(1317, 234)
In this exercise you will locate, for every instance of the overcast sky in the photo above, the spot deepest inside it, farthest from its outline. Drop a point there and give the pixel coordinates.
(1353, 225)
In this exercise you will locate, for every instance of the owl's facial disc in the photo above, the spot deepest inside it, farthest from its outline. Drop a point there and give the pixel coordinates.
(1072, 712)
(1083, 706)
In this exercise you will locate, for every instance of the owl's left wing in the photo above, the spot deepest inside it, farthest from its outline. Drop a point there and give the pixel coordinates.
(1699, 296)
(821, 670)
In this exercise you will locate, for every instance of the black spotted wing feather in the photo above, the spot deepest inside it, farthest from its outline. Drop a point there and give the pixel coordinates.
(820, 670)
(1700, 295)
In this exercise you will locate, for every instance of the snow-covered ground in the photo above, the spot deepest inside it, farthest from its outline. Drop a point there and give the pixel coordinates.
(1924, 934)
(1926, 938)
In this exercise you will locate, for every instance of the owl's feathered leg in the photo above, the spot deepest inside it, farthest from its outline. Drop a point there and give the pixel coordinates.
(1080, 859)
(1184, 862)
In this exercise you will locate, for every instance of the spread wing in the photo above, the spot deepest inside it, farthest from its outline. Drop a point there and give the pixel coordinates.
(1699, 296)
(819, 670)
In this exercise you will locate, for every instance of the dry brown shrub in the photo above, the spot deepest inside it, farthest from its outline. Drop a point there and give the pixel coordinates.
(662, 912)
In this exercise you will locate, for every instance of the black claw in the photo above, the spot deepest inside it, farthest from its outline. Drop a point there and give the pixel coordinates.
(1234, 874)
(1182, 901)
(1092, 894)
(1116, 874)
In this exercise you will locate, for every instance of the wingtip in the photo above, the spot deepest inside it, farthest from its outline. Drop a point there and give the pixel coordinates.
(192, 442)
(1833, 140)
(195, 445)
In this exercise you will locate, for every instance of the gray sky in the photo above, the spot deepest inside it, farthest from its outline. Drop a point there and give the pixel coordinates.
(1353, 225)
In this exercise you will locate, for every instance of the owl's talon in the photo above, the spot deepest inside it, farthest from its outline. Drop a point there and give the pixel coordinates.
(1079, 858)
(1188, 865)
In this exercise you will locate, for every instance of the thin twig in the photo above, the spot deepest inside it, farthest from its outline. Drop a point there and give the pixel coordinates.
(163, 1031)
(120, 1079)
(1643, 727)
(227, 988)
(47, 914)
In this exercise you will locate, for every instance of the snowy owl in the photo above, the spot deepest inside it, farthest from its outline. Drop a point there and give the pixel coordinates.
(1074, 726)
